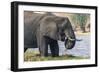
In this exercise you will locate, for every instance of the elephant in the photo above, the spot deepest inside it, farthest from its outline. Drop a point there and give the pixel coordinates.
(41, 30)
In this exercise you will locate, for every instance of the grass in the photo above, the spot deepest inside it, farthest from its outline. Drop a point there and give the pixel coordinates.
(34, 56)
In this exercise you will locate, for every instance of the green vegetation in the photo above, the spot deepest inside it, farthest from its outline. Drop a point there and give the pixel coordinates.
(80, 20)
(34, 56)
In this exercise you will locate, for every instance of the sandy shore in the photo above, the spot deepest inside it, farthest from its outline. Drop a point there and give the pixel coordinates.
(81, 33)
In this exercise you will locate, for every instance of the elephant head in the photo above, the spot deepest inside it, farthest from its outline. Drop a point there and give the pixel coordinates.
(66, 32)
(58, 28)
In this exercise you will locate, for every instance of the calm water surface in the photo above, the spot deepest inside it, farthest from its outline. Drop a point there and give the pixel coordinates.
(81, 48)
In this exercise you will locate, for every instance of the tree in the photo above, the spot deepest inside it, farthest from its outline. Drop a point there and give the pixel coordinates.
(80, 20)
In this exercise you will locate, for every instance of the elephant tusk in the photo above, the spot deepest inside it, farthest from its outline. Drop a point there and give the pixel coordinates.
(71, 39)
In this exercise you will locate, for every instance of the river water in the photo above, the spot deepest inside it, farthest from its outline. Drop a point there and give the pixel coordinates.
(81, 48)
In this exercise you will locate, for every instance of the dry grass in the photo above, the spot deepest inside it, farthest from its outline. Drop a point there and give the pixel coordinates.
(35, 56)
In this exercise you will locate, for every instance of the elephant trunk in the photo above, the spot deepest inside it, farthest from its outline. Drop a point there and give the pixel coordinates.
(70, 37)
(70, 41)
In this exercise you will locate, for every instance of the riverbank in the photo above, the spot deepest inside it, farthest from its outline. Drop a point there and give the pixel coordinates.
(35, 56)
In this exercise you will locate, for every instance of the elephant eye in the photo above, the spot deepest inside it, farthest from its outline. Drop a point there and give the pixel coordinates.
(61, 30)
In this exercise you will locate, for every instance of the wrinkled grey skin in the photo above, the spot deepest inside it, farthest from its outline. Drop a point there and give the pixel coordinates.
(41, 30)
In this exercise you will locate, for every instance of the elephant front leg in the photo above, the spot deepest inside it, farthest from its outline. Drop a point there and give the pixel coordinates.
(43, 47)
(42, 43)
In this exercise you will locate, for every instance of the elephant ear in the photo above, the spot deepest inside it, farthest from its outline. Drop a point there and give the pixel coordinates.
(48, 27)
